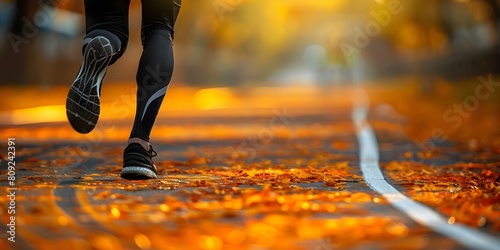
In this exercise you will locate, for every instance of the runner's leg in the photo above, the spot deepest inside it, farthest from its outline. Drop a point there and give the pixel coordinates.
(109, 19)
(153, 77)
(105, 42)
(156, 64)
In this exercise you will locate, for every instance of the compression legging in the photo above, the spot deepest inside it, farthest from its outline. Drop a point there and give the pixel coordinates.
(109, 18)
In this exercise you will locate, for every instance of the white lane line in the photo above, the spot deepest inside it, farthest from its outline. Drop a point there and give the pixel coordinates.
(369, 158)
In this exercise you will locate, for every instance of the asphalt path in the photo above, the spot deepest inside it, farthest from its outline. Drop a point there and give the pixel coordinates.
(69, 194)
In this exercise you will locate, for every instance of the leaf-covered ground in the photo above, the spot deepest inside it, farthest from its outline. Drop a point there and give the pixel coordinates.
(244, 182)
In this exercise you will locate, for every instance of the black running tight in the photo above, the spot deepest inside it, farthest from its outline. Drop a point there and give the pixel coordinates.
(109, 18)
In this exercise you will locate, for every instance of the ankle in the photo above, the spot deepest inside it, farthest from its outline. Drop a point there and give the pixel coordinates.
(145, 144)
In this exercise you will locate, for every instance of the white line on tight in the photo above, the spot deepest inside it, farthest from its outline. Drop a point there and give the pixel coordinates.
(369, 158)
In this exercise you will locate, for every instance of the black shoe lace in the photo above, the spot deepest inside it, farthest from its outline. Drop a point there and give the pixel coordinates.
(152, 151)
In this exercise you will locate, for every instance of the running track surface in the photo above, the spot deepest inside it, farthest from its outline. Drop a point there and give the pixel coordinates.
(284, 179)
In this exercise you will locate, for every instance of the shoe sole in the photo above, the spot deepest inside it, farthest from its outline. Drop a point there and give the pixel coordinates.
(138, 173)
(83, 101)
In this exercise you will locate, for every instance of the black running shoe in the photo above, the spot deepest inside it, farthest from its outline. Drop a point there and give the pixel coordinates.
(138, 163)
(83, 102)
